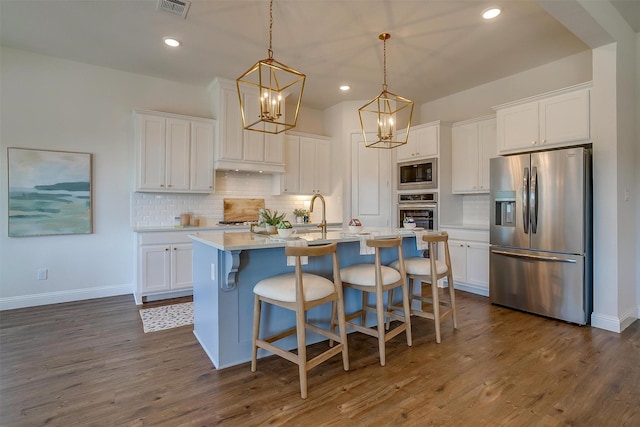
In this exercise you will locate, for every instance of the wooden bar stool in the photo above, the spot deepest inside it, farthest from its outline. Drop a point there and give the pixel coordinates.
(300, 292)
(427, 271)
(377, 278)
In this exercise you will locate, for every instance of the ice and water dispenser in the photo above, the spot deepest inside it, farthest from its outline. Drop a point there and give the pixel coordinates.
(506, 208)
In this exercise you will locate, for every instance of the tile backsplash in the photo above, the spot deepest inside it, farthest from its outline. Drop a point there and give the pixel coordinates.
(160, 209)
(475, 209)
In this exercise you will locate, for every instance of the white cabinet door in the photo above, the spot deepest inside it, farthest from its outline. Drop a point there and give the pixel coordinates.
(202, 147)
(370, 184)
(178, 136)
(478, 264)
(487, 149)
(290, 180)
(274, 148)
(472, 146)
(422, 143)
(253, 142)
(465, 155)
(315, 164)
(565, 118)
(458, 254)
(427, 141)
(230, 131)
(518, 127)
(181, 266)
(408, 150)
(323, 166)
(151, 152)
(155, 268)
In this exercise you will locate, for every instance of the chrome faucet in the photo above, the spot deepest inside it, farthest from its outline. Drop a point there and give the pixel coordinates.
(323, 223)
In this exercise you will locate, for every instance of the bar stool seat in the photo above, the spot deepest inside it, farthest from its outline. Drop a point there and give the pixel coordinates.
(283, 287)
(299, 292)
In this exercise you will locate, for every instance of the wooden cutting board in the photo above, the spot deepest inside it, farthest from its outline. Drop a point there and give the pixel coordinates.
(242, 209)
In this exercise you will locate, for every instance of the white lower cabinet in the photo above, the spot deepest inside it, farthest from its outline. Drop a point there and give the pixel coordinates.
(164, 265)
(469, 250)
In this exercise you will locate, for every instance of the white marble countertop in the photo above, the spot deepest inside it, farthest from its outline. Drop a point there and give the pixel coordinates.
(218, 227)
(245, 240)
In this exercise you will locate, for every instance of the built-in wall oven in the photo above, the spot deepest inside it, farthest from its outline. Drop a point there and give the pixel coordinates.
(422, 207)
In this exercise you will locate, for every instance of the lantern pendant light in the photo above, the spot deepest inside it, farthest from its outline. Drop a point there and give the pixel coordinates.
(262, 90)
(388, 112)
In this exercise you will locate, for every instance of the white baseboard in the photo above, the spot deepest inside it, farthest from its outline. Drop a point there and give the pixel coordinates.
(614, 324)
(22, 301)
(474, 289)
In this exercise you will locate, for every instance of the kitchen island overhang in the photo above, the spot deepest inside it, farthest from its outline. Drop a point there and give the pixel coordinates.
(226, 267)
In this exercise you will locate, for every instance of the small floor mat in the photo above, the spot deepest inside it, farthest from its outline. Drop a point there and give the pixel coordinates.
(166, 317)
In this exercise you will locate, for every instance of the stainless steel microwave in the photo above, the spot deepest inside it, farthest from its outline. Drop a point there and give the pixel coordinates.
(418, 174)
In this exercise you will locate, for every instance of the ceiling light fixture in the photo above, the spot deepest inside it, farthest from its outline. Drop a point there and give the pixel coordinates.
(491, 12)
(262, 90)
(388, 112)
(170, 41)
(345, 87)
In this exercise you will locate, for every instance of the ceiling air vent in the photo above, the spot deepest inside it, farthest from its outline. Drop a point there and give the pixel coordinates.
(176, 7)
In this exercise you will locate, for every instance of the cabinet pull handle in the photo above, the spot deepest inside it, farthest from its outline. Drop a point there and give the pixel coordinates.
(533, 143)
(166, 249)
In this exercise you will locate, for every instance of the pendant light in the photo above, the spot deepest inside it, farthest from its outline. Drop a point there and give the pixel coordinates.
(388, 112)
(262, 90)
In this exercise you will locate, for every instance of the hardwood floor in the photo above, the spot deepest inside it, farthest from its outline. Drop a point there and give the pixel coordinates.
(89, 363)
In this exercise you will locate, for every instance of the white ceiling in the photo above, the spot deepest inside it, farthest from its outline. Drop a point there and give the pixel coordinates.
(437, 47)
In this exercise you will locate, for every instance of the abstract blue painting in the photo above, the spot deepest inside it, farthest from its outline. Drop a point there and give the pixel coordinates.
(49, 192)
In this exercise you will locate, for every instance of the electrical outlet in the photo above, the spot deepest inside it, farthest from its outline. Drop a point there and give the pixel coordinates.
(43, 273)
(213, 272)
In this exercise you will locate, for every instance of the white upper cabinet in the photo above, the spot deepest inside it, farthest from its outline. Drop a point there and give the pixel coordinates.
(422, 143)
(473, 144)
(238, 148)
(307, 165)
(173, 153)
(560, 118)
(315, 165)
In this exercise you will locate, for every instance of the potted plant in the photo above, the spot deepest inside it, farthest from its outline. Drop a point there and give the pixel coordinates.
(270, 219)
(301, 214)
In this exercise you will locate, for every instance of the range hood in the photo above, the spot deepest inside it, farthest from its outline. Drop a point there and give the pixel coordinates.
(246, 166)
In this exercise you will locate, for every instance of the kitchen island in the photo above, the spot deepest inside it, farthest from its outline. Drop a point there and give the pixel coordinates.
(226, 267)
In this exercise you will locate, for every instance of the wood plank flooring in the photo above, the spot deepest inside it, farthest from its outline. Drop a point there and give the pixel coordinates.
(89, 363)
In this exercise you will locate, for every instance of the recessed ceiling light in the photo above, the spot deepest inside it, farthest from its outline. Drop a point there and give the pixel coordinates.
(345, 87)
(491, 13)
(170, 41)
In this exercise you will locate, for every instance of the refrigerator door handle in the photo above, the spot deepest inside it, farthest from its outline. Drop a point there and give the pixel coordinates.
(533, 257)
(525, 200)
(533, 200)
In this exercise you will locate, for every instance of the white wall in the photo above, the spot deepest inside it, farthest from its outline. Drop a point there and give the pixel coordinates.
(478, 101)
(53, 104)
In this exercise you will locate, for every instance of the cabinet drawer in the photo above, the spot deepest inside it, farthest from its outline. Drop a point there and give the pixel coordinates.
(164, 237)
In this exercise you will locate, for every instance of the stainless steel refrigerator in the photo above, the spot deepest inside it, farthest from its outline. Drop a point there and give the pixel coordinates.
(541, 233)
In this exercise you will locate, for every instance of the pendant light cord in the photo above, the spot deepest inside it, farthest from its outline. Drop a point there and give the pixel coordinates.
(270, 28)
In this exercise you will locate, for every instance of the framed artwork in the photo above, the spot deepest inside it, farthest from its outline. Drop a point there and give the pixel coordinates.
(49, 192)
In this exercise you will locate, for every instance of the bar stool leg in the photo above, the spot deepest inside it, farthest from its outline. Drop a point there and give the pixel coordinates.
(302, 351)
(381, 325)
(406, 303)
(256, 332)
(452, 297)
(436, 308)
